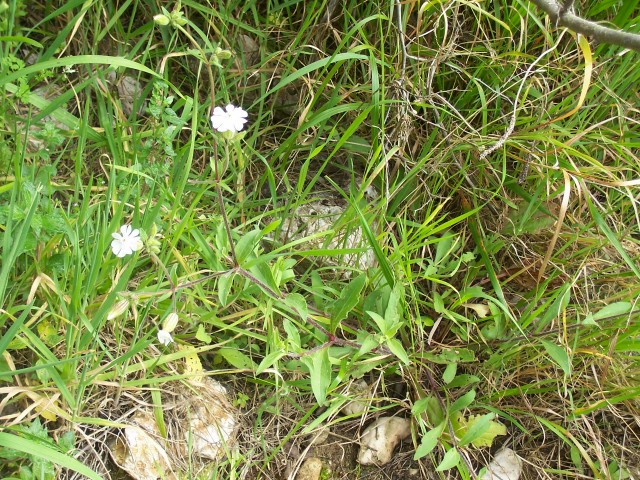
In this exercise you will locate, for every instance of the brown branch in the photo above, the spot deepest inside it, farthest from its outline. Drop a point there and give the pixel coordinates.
(564, 17)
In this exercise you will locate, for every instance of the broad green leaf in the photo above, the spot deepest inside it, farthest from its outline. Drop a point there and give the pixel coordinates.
(392, 314)
(298, 304)
(428, 442)
(559, 355)
(481, 430)
(224, 287)
(431, 406)
(271, 227)
(398, 350)
(237, 359)
(377, 300)
(349, 298)
(438, 304)
(319, 367)
(614, 309)
(247, 244)
(202, 335)
(269, 360)
(292, 333)
(380, 322)
(449, 461)
(463, 402)
(463, 380)
(449, 373)
(369, 343)
(262, 272)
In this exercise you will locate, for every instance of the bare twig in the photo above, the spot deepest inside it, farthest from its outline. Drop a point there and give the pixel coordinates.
(562, 15)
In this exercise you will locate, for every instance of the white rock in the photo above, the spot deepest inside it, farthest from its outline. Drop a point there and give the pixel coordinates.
(360, 393)
(320, 436)
(311, 469)
(316, 218)
(212, 422)
(139, 452)
(506, 465)
(381, 438)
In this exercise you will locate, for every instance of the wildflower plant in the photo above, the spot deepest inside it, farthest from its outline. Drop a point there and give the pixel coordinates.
(126, 242)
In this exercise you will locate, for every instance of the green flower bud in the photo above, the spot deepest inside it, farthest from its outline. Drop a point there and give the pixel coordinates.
(177, 18)
(171, 322)
(118, 309)
(161, 20)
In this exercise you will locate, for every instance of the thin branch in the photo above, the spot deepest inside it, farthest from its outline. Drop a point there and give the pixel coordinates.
(564, 17)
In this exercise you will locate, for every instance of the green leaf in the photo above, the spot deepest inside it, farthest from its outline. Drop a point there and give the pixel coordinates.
(449, 461)
(262, 272)
(369, 343)
(224, 287)
(392, 314)
(269, 360)
(35, 449)
(202, 335)
(463, 380)
(463, 402)
(319, 367)
(431, 406)
(449, 373)
(237, 359)
(559, 355)
(247, 244)
(298, 304)
(438, 303)
(292, 333)
(349, 298)
(380, 321)
(481, 430)
(398, 350)
(614, 309)
(428, 442)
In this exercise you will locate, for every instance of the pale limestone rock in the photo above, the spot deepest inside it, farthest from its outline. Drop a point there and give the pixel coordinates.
(360, 392)
(139, 451)
(506, 465)
(311, 469)
(381, 438)
(212, 422)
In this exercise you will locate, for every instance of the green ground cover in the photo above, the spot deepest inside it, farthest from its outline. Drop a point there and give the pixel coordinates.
(477, 267)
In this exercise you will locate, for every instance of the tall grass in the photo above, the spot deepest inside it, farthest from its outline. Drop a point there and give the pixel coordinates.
(487, 161)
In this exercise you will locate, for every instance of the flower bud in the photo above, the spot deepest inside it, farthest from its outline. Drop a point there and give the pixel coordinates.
(177, 18)
(161, 20)
(170, 322)
(223, 54)
(118, 309)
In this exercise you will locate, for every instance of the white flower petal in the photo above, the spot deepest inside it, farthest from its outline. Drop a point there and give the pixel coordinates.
(233, 119)
(164, 338)
(126, 242)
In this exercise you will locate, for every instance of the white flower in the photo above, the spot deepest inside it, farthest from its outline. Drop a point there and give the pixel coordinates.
(165, 338)
(231, 120)
(126, 242)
